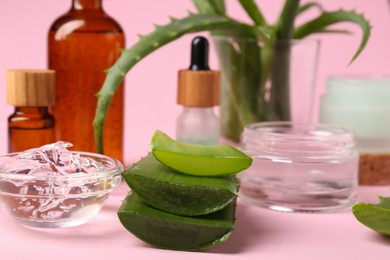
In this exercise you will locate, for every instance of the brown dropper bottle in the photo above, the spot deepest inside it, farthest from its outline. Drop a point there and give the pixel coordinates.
(32, 92)
(82, 44)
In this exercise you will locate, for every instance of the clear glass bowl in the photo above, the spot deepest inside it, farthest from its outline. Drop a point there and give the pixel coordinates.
(54, 201)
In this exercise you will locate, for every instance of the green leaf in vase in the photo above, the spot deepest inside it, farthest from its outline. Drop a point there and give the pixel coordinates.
(321, 23)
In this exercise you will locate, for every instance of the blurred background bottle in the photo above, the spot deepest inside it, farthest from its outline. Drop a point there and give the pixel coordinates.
(31, 125)
(83, 43)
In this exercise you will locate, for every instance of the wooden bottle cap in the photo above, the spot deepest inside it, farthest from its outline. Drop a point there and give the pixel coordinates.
(199, 88)
(34, 88)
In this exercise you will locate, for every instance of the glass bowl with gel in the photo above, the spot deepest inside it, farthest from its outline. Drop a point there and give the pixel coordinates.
(52, 187)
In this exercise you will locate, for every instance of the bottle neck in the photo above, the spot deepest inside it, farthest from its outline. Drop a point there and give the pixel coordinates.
(90, 5)
(198, 110)
(31, 110)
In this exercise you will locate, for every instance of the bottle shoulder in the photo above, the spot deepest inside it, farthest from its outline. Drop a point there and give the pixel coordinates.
(32, 117)
(86, 21)
(33, 121)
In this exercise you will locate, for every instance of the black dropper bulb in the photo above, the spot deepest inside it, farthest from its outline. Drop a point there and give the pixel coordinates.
(199, 54)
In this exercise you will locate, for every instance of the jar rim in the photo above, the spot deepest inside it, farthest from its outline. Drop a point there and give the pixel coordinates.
(292, 139)
(358, 77)
(307, 130)
(362, 82)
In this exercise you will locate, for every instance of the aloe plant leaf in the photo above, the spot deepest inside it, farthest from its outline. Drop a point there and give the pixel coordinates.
(198, 160)
(219, 6)
(170, 231)
(384, 202)
(280, 75)
(239, 62)
(325, 30)
(374, 216)
(149, 43)
(307, 6)
(210, 6)
(265, 32)
(240, 101)
(286, 20)
(326, 19)
(253, 12)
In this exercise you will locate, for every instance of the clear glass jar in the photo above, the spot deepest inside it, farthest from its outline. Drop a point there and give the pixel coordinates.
(361, 103)
(299, 168)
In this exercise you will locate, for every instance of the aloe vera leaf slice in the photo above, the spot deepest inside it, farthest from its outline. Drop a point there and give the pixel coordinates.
(169, 231)
(168, 190)
(374, 216)
(199, 160)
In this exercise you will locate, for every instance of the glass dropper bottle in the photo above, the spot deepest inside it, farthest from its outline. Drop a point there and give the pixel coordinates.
(198, 93)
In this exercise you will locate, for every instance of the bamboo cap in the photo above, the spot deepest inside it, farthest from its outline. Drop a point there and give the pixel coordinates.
(199, 88)
(33, 88)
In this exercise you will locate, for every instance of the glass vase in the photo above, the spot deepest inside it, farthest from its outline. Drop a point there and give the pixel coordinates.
(265, 81)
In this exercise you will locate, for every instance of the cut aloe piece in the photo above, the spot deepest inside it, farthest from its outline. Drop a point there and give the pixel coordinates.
(199, 160)
(374, 216)
(165, 230)
(168, 190)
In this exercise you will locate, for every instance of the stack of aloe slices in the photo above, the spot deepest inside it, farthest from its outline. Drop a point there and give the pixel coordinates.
(183, 196)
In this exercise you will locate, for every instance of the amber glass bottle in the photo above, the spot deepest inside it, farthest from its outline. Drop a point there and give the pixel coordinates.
(31, 92)
(83, 43)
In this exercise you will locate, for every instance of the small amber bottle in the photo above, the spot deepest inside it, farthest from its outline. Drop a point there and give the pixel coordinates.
(32, 92)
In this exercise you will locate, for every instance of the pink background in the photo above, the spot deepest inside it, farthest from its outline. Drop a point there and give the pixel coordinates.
(150, 100)
(150, 105)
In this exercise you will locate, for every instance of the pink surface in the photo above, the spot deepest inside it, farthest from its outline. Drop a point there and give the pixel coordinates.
(151, 100)
(259, 234)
